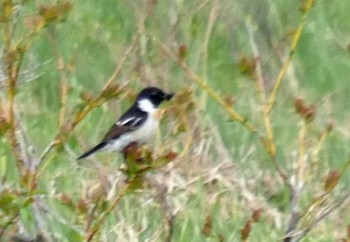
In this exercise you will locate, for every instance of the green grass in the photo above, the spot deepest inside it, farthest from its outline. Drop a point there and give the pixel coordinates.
(94, 39)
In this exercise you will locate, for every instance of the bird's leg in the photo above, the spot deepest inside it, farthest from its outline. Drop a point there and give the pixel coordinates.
(134, 162)
(133, 152)
(130, 152)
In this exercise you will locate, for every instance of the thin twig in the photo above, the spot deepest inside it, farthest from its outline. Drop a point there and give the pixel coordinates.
(47, 151)
(64, 92)
(297, 185)
(295, 216)
(319, 218)
(121, 63)
(107, 212)
(62, 70)
(162, 197)
(98, 101)
(298, 235)
(318, 148)
(269, 143)
(272, 98)
(11, 81)
(215, 96)
(13, 59)
(317, 203)
(39, 221)
(260, 82)
(233, 114)
(11, 221)
(204, 47)
(189, 14)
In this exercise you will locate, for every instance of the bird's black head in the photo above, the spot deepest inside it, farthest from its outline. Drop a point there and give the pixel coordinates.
(155, 95)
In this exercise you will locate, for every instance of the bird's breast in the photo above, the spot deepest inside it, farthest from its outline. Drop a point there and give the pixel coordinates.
(148, 129)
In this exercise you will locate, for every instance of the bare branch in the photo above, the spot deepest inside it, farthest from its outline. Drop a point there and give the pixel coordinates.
(269, 143)
(294, 44)
(233, 114)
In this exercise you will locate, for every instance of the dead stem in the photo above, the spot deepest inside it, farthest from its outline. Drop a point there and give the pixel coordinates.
(269, 143)
(204, 47)
(10, 54)
(322, 215)
(318, 148)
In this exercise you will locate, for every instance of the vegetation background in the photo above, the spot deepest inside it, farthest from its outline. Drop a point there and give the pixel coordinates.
(80, 64)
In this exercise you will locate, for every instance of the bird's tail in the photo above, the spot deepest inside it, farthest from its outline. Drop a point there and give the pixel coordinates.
(93, 150)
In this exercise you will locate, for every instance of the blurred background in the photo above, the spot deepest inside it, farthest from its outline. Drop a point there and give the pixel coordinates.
(222, 174)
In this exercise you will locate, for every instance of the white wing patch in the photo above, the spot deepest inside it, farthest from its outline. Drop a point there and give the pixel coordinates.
(125, 121)
(140, 135)
(131, 122)
(136, 121)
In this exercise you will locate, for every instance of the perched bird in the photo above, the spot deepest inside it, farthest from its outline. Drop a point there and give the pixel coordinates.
(137, 125)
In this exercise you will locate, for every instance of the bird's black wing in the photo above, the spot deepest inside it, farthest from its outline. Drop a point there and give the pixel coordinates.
(130, 120)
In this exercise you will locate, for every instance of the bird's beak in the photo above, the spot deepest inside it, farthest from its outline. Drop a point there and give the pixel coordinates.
(169, 96)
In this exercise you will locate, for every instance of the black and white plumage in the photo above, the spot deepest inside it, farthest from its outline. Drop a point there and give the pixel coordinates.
(137, 125)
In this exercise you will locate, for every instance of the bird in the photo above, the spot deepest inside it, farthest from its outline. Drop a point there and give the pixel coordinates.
(137, 125)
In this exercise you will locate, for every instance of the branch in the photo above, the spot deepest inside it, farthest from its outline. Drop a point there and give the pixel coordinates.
(11, 221)
(269, 143)
(317, 203)
(306, 10)
(301, 234)
(96, 102)
(215, 96)
(107, 212)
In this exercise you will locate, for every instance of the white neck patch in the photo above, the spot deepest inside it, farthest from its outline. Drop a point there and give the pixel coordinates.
(146, 106)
